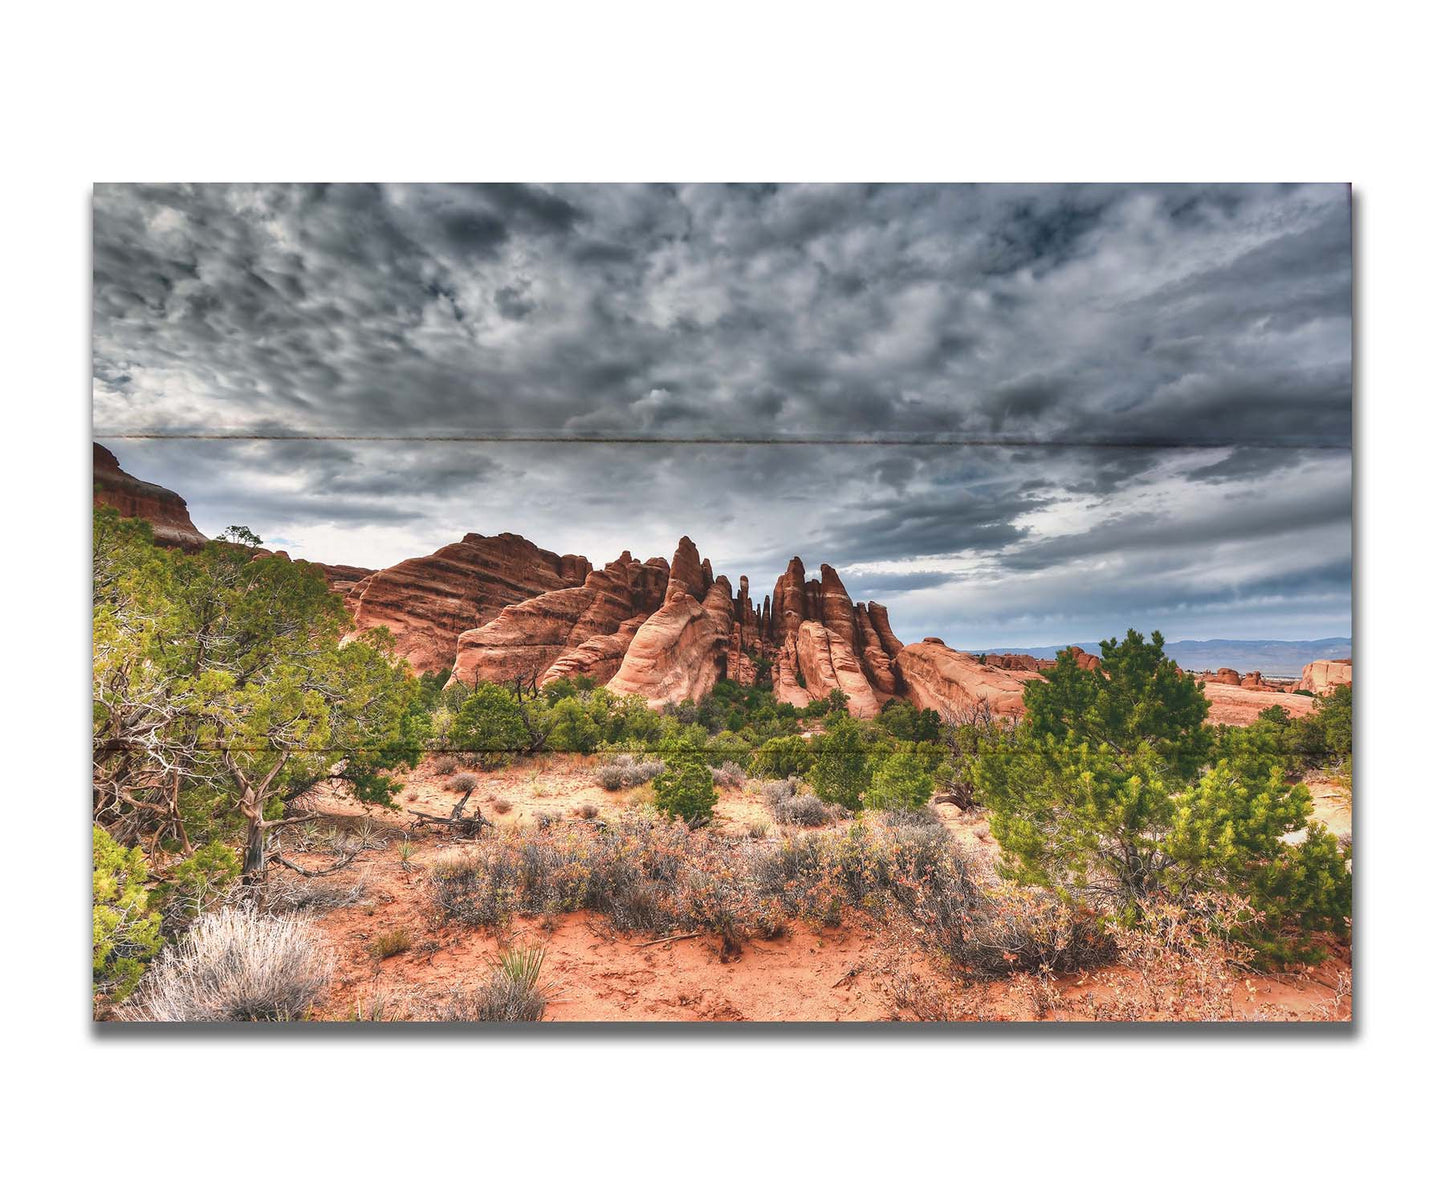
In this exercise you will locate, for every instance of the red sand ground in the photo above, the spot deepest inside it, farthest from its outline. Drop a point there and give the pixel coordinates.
(591, 972)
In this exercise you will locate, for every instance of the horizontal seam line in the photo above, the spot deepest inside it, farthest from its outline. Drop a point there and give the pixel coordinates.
(746, 440)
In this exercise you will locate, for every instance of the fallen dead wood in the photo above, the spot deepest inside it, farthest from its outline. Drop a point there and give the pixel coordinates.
(662, 940)
(462, 825)
(340, 864)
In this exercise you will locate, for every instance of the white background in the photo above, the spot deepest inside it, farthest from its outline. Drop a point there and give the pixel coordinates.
(902, 91)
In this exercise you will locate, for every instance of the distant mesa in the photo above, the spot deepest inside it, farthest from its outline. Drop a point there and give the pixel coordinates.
(170, 520)
(163, 508)
(498, 608)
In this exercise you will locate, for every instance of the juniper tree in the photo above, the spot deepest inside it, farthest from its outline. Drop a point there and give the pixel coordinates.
(1106, 792)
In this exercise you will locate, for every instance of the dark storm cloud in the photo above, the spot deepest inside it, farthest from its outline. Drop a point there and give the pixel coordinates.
(1090, 314)
(1094, 330)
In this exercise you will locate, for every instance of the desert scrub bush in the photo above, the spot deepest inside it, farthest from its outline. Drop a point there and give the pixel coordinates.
(511, 995)
(390, 943)
(801, 876)
(501, 806)
(1016, 929)
(462, 782)
(728, 775)
(126, 929)
(908, 817)
(1183, 962)
(462, 890)
(444, 766)
(799, 808)
(633, 873)
(716, 895)
(685, 788)
(817, 875)
(587, 811)
(236, 964)
(624, 772)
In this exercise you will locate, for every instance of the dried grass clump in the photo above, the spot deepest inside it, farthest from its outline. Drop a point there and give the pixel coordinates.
(237, 964)
(501, 806)
(390, 943)
(1183, 963)
(729, 775)
(624, 772)
(444, 766)
(462, 782)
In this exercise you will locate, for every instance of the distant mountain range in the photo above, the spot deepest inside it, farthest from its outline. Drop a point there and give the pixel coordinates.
(1273, 658)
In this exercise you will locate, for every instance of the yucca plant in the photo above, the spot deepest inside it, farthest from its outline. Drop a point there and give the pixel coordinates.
(522, 967)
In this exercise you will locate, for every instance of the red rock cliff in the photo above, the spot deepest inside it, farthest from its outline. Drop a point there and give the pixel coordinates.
(163, 508)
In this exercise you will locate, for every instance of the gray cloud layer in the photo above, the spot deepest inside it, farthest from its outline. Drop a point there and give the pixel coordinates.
(1209, 326)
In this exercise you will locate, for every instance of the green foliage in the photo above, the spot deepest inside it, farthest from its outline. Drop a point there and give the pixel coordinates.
(1136, 698)
(491, 722)
(902, 780)
(241, 535)
(198, 881)
(783, 757)
(1323, 739)
(685, 788)
(222, 689)
(727, 746)
(573, 727)
(1104, 792)
(840, 771)
(907, 722)
(126, 928)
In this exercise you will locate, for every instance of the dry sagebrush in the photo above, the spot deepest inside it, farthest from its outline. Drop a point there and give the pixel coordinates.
(237, 964)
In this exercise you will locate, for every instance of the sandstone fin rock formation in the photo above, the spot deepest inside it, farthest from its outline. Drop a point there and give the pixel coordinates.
(498, 608)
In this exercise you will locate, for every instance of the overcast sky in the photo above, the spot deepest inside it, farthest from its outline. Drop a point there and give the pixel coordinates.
(1065, 410)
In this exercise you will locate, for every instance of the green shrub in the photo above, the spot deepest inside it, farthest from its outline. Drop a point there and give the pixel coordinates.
(840, 771)
(126, 929)
(783, 757)
(491, 724)
(685, 788)
(902, 781)
(199, 881)
(1105, 793)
